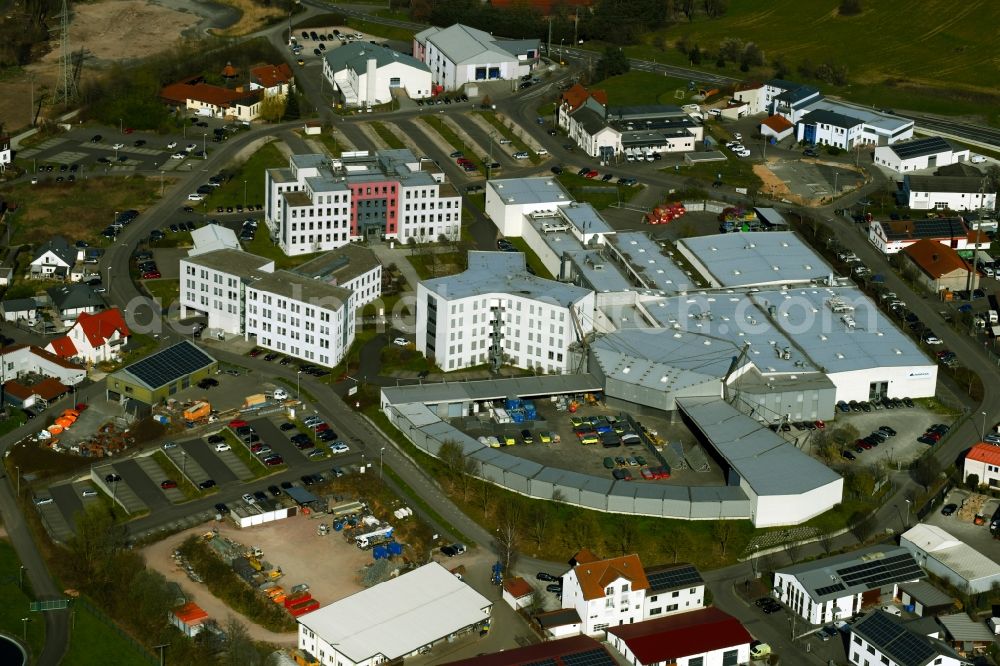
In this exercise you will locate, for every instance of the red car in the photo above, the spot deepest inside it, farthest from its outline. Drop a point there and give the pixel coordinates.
(321, 427)
(821, 425)
(152, 275)
(129, 130)
(274, 461)
(591, 174)
(661, 473)
(647, 473)
(238, 423)
(166, 485)
(255, 352)
(80, 406)
(257, 447)
(863, 444)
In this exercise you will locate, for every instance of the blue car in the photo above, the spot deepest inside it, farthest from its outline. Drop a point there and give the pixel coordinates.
(843, 406)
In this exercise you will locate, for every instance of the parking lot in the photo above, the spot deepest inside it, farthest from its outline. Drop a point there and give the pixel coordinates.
(909, 424)
(961, 524)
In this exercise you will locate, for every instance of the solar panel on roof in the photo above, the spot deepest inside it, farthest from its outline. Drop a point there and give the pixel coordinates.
(170, 364)
(928, 146)
(836, 587)
(681, 577)
(589, 658)
(904, 647)
(543, 662)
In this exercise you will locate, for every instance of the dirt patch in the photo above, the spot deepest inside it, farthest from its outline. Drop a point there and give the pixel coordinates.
(253, 17)
(328, 564)
(774, 184)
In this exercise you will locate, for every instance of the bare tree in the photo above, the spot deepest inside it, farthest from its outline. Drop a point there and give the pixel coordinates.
(538, 521)
(470, 470)
(508, 535)
(624, 537)
(676, 542)
(486, 493)
(723, 531)
(240, 650)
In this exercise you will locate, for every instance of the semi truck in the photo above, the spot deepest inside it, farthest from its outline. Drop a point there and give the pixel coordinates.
(369, 539)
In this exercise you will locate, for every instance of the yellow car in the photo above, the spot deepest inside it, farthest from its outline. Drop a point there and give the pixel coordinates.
(544, 437)
(576, 421)
(508, 440)
(589, 439)
(301, 62)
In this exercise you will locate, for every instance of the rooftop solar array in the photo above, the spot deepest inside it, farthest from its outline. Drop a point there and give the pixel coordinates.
(589, 658)
(836, 587)
(673, 578)
(169, 365)
(928, 146)
(543, 662)
(904, 647)
(932, 228)
(876, 573)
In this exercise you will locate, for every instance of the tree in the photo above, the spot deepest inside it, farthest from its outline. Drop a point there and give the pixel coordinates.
(538, 521)
(715, 8)
(470, 470)
(850, 7)
(844, 434)
(292, 107)
(486, 493)
(780, 68)
(675, 542)
(612, 63)
(581, 531)
(272, 108)
(99, 539)
(862, 525)
(723, 531)
(731, 48)
(508, 536)
(240, 650)
(452, 455)
(972, 481)
(686, 7)
(695, 55)
(624, 537)
(927, 471)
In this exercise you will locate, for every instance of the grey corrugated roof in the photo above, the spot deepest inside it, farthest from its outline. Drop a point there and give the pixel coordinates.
(748, 258)
(822, 116)
(355, 56)
(926, 594)
(500, 274)
(762, 458)
(466, 46)
(826, 572)
(963, 628)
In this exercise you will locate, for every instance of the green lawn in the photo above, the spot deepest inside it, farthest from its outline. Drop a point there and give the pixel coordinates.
(15, 602)
(171, 471)
(166, 290)
(638, 87)
(12, 422)
(384, 133)
(732, 172)
(256, 467)
(448, 135)
(595, 192)
(935, 44)
(262, 246)
(387, 31)
(431, 265)
(95, 643)
(139, 346)
(508, 133)
(247, 183)
(405, 359)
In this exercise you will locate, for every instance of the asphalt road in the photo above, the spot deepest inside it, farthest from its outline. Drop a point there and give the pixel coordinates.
(201, 452)
(145, 488)
(271, 435)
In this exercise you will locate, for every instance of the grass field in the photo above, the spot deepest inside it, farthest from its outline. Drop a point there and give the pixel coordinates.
(508, 133)
(261, 245)
(732, 172)
(95, 643)
(15, 602)
(384, 133)
(638, 87)
(437, 264)
(595, 192)
(941, 55)
(378, 30)
(167, 290)
(449, 135)
(531, 258)
(251, 172)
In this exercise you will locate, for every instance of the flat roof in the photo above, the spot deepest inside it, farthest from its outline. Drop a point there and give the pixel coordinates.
(232, 261)
(754, 258)
(769, 464)
(585, 218)
(855, 572)
(490, 389)
(300, 288)
(572, 651)
(883, 121)
(654, 266)
(343, 264)
(399, 616)
(530, 190)
(503, 274)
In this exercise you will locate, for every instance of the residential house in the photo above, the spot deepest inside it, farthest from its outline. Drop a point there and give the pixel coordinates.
(189, 618)
(72, 299)
(951, 559)
(94, 337)
(983, 460)
(630, 132)
(882, 638)
(673, 588)
(835, 588)
(54, 259)
(214, 101)
(891, 236)
(20, 360)
(940, 268)
(19, 309)
(574, 97)
(273, 80)
(705, 637)
(458, 55)
(38, 394)
(6, 154)
(365, 75)
(948, 192)
(926, 153)
(606, 593)
(517, 592)
(496, 312)
(792, 102)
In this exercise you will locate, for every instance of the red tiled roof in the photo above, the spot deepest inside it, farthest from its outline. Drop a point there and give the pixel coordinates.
(229, 71)
(934, 258)
(49, 356)
(190, 613)
(594, 577)
(101, 326)
(63, 347)
(576, 95)
(17, 389)
(517, 587)
(180, 93)
(671, 638)
(583, 556)
(777, 123)
(984, 453)
(49, 389)
(533, 654)
(270, 76)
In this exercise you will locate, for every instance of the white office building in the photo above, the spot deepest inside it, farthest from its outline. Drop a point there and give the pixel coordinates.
(949, 193)
(880, 638)
(458, 55)
(394, 619)
(366, 74)
(308, 313)
(838, 587)
(496, 312)
(319, 203)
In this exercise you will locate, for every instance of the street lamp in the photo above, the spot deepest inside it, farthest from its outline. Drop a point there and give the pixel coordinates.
(982, 431)
(109, 278)
(24, 624)
(380, 452)
(907, 512)
(244, 193)
(298, 379)
(204, 149)
(18, 468)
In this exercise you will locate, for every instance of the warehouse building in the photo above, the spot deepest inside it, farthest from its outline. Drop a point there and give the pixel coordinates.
(157, 377)
(365, 75)
(951, 559)
(394, 619)
(458, 55)
(927, 153)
